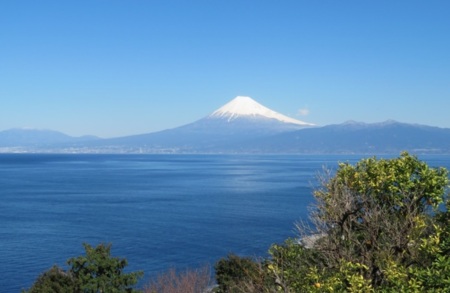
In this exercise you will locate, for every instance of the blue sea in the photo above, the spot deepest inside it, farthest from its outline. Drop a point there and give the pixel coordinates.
(157, 211)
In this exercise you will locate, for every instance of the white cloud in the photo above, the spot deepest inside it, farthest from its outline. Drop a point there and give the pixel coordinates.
(303, 112)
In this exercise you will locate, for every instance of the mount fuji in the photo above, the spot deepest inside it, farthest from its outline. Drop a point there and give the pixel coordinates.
(246, 108)
(240, 120)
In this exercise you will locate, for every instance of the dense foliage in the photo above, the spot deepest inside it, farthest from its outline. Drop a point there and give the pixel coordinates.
(95, 272)
(53, 280)
(378, 226)
(236, 274)
(375, 216)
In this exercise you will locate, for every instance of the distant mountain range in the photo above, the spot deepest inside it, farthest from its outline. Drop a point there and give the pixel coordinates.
(245, 126)
(28, 137)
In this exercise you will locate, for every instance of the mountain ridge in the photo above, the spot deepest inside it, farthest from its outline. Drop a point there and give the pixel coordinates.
(245, 126)
(33, 136)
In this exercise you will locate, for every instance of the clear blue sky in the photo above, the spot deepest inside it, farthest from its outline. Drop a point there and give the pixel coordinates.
(113, 68)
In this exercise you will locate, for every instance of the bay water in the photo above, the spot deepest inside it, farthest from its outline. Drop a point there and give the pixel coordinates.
(157, 211)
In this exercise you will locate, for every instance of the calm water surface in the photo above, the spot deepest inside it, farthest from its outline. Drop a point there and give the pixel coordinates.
(158, 211)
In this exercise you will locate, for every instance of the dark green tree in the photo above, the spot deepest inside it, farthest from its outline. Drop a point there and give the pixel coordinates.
(236, 274)
(54, 280)
(98, 272)
(95, 272)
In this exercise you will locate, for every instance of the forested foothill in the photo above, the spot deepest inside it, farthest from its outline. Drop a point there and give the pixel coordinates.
(381, 225)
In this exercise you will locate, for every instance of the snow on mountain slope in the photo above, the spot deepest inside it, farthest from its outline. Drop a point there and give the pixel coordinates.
(245, 106)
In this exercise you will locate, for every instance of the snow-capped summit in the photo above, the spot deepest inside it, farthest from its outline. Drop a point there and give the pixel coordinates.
(242, 106)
